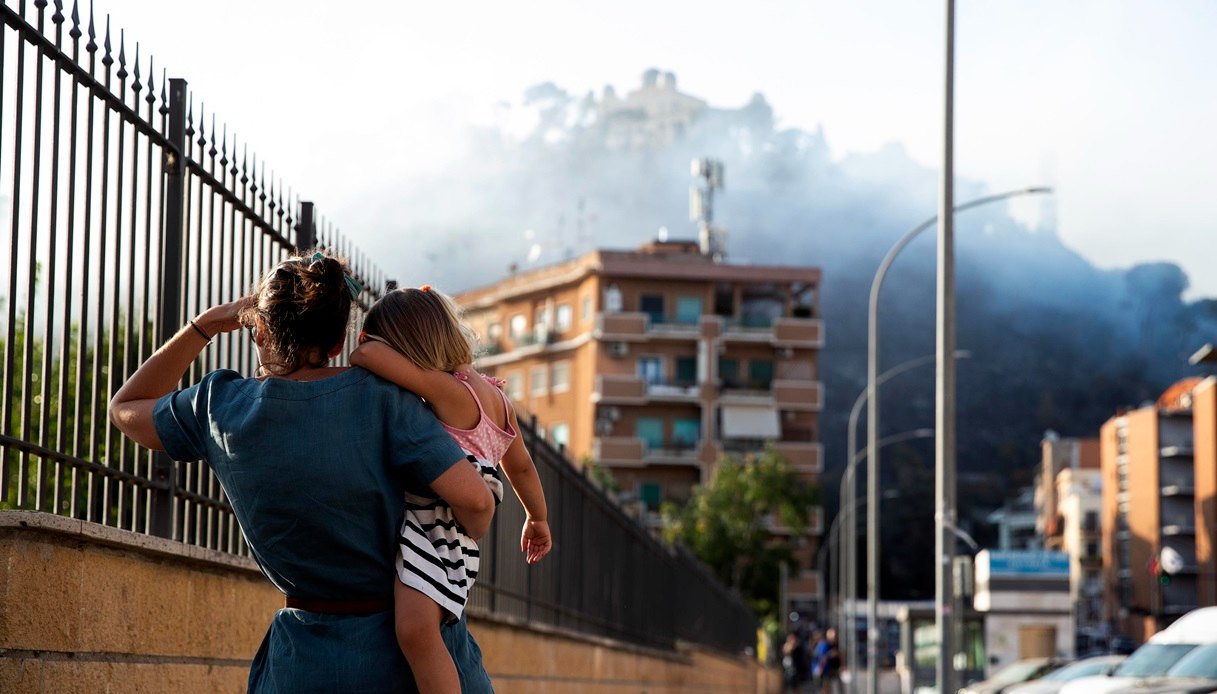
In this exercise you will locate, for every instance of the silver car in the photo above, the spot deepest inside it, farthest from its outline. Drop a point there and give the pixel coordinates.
(1053, 682)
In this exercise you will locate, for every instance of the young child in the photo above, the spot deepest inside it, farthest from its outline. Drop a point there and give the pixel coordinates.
(415, 338)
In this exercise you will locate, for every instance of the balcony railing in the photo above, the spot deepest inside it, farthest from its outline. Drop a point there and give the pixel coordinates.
(671, 450)
(747, 384)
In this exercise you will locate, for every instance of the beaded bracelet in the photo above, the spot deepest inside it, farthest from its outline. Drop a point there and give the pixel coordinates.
(199, 330)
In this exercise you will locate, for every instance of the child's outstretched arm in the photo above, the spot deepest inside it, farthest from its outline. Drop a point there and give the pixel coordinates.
(445, 394)
(535, 538)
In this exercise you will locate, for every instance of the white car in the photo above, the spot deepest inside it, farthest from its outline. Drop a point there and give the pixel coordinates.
(1155, 659)
(1055, 681)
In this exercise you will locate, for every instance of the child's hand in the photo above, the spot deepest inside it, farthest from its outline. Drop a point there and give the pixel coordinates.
(535, 540)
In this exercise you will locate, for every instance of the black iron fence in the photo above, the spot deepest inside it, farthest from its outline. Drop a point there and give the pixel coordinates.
(126, 208)
(607, 575)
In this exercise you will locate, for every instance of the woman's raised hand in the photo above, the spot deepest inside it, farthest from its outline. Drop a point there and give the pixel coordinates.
(224, 318)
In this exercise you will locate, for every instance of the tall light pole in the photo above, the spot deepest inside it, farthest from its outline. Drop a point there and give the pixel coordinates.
(848, 491)
(944, 391)
(872, 413)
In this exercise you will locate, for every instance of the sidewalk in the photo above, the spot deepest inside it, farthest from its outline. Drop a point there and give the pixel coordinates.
(889, 683)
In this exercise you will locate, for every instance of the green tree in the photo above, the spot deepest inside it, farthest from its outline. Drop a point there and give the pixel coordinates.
(730, 524)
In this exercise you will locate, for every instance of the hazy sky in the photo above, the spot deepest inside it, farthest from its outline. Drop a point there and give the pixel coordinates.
(1114, 102)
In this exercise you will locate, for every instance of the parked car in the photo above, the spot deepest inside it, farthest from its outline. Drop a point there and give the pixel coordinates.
(1195, 673)
(1152, 663)
(1015, 673)
(1053, 682)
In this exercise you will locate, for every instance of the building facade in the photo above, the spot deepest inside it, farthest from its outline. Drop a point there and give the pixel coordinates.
(655, 363)
(1159, 467)
(1069, 504)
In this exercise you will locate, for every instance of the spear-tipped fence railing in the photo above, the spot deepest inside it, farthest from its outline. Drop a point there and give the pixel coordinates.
(126, 208)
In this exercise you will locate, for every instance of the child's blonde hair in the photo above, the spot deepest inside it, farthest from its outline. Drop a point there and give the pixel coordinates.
(424, 325)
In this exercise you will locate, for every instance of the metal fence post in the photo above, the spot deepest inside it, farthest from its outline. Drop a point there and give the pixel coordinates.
(161, 522)
(306, 230)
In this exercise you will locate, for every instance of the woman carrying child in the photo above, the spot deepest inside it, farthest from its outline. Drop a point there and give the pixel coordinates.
(415, 338)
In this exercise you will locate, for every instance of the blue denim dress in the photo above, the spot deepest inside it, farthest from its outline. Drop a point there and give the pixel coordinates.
(316, 472)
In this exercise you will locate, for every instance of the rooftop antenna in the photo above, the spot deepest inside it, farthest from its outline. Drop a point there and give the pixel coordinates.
(708, 177)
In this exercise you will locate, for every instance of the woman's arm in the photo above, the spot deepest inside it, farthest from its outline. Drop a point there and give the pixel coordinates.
(131, 407)
(535, 538)
(444, 393)
(466, 492)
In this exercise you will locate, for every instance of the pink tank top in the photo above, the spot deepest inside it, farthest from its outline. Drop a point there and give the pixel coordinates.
(485, 440)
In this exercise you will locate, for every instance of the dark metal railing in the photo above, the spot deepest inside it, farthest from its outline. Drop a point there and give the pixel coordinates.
(127, 208)
(607, 575)
(127, 211)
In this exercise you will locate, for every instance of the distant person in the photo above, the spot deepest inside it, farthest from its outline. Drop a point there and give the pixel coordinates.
(827, 657)
(415, 338)
(796, 660)
(315, 460)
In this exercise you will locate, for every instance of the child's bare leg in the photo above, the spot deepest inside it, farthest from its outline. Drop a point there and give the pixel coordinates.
(417, 618)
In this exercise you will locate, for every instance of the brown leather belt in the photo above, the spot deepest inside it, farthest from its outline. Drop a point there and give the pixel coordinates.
(370, 606)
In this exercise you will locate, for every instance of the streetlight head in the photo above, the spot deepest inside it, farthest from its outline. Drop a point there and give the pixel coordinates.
(1035, 190)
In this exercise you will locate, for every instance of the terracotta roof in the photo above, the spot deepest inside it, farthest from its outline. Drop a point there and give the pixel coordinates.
(1179, 395)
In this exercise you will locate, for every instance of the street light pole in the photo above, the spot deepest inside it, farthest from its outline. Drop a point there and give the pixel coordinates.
(847, 568)
(872, 411)
(944, 395)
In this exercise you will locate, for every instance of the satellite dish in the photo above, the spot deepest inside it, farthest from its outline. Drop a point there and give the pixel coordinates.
(1170, 561)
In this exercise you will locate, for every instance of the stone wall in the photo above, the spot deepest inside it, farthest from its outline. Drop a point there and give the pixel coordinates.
(86, 608)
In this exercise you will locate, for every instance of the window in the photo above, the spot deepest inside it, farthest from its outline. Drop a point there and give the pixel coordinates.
(585, 312)
(560, 435)
(518, 326)
(612, 299)
(650, 494)
(652, 305)
(686, 371)
(539, 379)
(688, 310)
(515, 386)
(650, 430)
(542, 317)
(494, 330)
(728, 372)
(563, 317)
(760, 373)
(686, 432)
(650, 369)
(560, 378)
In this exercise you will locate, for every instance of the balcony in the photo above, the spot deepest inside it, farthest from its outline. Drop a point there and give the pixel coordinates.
(618, 451)
(674, 327)
(673, 391)
(620, 390)
(673, 452)
(747, 329)
(798, 332)
(806, 457)
(798, 395)
(622, 327)
(1178, 529)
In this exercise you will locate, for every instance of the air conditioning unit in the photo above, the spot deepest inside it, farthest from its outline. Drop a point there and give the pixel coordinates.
(619, 349)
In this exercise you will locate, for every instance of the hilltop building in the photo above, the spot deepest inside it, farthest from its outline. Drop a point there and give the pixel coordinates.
(1068, 502)
(1159, 467)
(656, 362)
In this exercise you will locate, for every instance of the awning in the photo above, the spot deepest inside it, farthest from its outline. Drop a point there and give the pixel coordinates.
(750, 422)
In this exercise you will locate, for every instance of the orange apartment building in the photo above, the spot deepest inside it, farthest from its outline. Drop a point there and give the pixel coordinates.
(1159, 466)
(655, 363)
